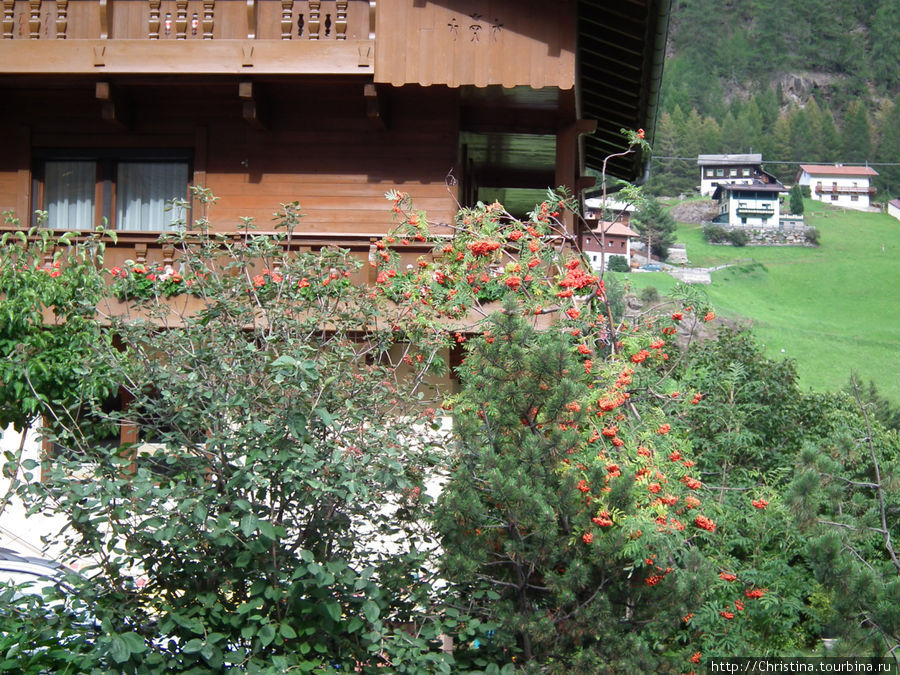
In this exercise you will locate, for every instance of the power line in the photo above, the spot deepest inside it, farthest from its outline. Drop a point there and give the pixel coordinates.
(776, 161)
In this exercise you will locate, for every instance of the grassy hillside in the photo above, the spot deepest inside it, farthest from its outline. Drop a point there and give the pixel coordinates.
(834, 309)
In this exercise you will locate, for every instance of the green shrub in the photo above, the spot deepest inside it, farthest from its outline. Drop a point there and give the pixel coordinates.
(812, 235)
(649, 295)
(715, 234)
(618, 263)
(738, 237)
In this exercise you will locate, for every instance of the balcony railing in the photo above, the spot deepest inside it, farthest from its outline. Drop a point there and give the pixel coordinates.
(743, 210)
(67, 36)
(844, 190)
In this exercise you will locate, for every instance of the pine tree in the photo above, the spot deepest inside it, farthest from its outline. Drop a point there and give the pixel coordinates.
(796, 200)
(889, 151)
(857, 134)
(885, 57)
(829, 140)
(657, 225)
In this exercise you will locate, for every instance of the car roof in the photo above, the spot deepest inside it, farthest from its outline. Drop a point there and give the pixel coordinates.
(12, 561)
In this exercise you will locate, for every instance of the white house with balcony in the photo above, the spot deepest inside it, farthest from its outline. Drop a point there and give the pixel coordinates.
(755, 204)
(716, 169)
(845, 186)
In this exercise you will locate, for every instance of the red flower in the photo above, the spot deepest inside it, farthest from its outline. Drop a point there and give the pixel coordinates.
(603, 520)
(692, 483)
(640, 133)
(652, 581)
(584, 349)
(705, 523)
(691, 502)
(610, 432)
(613, 470)
(643, 452)
(513, 282)
(587, 537)
(696, 657)
(515, 235)
(664, 429)
(727, 576)
(640, 356)
(657, 344)
(760, 503)
(484, 247)
(726, 614)
(697, 399)
(654, 487)
(583, 486)
(534, 262)
(686, 618)
(739, 605)
(756, 593)
(573, 313)
(675, 456)
(588, 364)
(709, 316)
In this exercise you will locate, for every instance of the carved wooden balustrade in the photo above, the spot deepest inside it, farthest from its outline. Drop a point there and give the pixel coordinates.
(348, 26)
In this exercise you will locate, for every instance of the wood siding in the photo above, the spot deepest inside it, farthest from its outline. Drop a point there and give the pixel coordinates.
(319, 147)
(476, 42)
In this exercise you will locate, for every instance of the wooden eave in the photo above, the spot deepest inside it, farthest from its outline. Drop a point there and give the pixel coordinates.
(186, 57)
(621, 49)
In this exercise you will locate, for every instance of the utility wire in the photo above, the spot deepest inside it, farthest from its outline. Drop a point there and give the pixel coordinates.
(776, 161)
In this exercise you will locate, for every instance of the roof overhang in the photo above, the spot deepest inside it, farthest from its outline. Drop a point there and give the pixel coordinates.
(621, 50)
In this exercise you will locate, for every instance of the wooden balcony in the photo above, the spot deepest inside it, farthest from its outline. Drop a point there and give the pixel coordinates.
(187, 36)
(755, 210)
(845, 190)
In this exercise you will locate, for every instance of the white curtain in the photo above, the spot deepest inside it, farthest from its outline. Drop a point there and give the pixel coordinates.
(143, 193)
(69, 194)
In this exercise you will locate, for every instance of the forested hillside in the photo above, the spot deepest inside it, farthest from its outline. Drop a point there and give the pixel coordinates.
(798, 81)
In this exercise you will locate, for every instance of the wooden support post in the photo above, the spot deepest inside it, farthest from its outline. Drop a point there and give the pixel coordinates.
(255, 108)
(62, 18)
(9, 7)
(181, 20)
(251, 19)
(315, 21)
(153, 22)
(568, 161)
(104, 19)
(114, 107)
(34, 19)
(22, 141)
(340, 23)
(287, 19)
(209, 14)
(376, 105)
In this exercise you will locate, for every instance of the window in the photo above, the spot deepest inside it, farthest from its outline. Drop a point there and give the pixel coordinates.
(710, 172)
(854, 198)
(834, 197)
(720, 173)
(732, 173)
(131, 190)
(745, 173)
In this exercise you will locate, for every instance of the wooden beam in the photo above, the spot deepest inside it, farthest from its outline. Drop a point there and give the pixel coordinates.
(186, 57)
(488, 176)
(23, 176)
(255, 105)
(114, 106)
(376, 105)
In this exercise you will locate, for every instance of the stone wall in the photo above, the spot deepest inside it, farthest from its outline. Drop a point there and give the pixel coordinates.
(794, 235)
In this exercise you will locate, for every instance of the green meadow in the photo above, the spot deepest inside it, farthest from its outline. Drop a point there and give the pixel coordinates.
(833, 309)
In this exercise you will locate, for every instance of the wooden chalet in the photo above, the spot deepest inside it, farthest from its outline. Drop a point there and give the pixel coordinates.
(112, 107)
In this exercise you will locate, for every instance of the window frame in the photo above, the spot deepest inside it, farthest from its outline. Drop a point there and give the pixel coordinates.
(107, 161)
